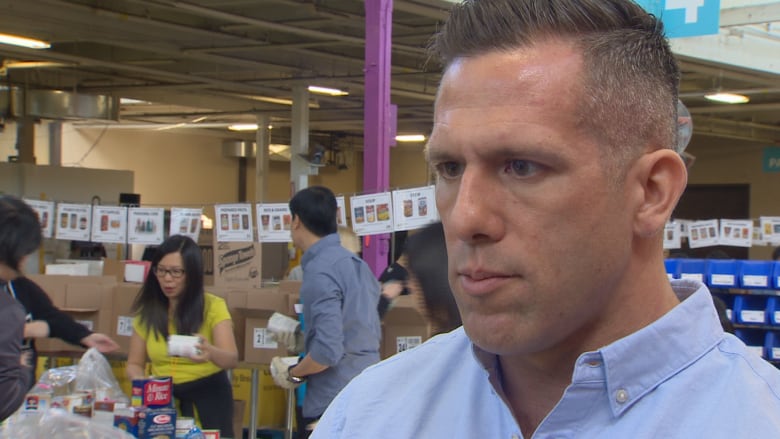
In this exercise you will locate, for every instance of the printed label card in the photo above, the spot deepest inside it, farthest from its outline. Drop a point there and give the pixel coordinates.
(274, 222)
(73, 221)
(770, 228)
(736, 233)
(372, 214)
(145, 225)
(109, 224)
(45, 211)
(341, 211)
(672, 235)
(185, 221)
(703, 233)
(414, 208)
(233, 222)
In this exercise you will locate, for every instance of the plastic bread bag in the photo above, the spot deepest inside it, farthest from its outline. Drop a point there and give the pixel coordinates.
(59, 424)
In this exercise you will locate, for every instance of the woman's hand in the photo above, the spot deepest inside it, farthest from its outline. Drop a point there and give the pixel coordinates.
(203, 350)
(101, 342)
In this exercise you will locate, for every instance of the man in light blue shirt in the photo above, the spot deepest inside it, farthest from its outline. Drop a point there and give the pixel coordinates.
(555, 146)
(339, 294)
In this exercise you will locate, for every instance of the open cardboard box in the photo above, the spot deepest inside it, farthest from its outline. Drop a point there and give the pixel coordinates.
(403, 327)
(255, 306)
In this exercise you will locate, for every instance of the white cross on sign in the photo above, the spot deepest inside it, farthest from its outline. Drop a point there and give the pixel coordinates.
(691, 8)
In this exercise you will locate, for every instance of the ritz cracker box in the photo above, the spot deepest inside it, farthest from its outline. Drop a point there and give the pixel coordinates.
(237, 264)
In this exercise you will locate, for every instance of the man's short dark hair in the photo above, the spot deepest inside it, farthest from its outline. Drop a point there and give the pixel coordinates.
(20, 231)
(315, 206)
(629, 79)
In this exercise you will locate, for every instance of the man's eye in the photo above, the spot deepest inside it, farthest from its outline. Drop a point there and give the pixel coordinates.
(522, 168)
(449, 169)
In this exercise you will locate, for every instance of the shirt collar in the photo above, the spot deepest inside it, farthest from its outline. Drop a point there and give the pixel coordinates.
(640, 362)
(317, 247)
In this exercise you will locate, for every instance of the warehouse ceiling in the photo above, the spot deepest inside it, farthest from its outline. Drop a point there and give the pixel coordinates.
(205, 64)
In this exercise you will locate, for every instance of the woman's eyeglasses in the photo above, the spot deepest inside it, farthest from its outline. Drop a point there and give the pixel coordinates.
(174, 272)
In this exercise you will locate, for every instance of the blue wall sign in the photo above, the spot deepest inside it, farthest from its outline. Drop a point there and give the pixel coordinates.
(685, 18)
(772, 159)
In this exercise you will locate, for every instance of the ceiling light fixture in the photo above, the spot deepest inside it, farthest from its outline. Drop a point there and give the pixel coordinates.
(30, 43)
(327, 91)
(243, 127)
(727, 98)
(410, 138)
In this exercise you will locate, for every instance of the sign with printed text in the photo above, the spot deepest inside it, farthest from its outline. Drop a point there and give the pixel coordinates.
(185, 221)
(73, 221)
(233, 222)
(771, 159)
(372, 214)
(770, 229)
(736, 233)
(145, 225)
(703, 233)
(262, 338)
(274, 222)
(414, 208)
(686, 18)
(672, 235)
(109, 224)
(45, 211)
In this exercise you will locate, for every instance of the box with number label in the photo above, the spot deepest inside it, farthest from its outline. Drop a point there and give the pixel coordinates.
(88, 299)
(403, 327)
(255, 307)
(122, 319)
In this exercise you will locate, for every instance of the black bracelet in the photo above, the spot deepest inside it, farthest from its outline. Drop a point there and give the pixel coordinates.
(294, 379)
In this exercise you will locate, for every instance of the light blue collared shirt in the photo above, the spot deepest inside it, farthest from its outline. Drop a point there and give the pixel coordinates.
(341, 325)
(680, 377)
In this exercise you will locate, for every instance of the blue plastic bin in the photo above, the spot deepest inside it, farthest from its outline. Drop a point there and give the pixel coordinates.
(776, 276)
(755, 274)
(722, 273)
(728, 299)
(750, 310)
(773, 310)
(755, 339)
(672, 268)
(772, 345)
(693, 269)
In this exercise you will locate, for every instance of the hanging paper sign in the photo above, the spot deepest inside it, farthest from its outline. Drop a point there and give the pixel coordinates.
(73, 221)
(770, 228)
(234, 222)
(109, 224)
(414, 208)
(672, 235)
(758, 237)
(371, 214)
(273, 222)
(145, 225)
(185, 221)
(45, 211)
(737, 233)
(341, 211)
(703, 233)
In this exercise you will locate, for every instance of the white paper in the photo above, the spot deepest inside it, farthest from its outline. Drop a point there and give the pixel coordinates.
(145, 225)
(185, 221)
(68, 269)
(124, 326)
(109, 224)
(45, 211)
(372, 214)
(233, 222)
(737, 233)
(262, 338)
(414, 208)
(135, 272)
(73, 221)
(341, 211)
(672, 235)
(770, 228)
(703, 233)
(273, 222)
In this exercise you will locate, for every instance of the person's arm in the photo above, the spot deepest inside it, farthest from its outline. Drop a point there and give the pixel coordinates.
(136, 357)
(38, 303)
(223, 352)
(14, 376)
(36, 329)
(307, 366)
(101, 342)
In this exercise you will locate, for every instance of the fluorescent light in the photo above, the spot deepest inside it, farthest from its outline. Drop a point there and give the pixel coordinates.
(727, 98)
(410, 138)
(243, 127)
(15, 40)
(131, 101)
(278, 148)
(327, 91)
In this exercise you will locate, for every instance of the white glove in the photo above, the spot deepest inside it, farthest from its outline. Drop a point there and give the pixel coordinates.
(293, 341)
(280, 372)
(286, 331)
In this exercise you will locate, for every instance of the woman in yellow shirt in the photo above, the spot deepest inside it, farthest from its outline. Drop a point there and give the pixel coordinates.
(173, 301)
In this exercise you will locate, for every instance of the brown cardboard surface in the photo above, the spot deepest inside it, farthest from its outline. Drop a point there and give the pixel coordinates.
(121, 317)
(237, 264)
(403, 327)
(255, 306)
(290, 286)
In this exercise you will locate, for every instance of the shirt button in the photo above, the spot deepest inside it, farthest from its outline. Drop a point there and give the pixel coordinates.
(621, 396)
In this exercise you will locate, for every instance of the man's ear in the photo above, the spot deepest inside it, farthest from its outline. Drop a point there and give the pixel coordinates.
(662, 176)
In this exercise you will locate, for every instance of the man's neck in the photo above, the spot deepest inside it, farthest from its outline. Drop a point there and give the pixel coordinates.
(7, 273)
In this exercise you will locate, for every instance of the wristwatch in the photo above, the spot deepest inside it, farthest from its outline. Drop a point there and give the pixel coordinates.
(294, 379)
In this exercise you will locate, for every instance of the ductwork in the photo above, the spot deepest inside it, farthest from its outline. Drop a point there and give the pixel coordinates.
(56, 104)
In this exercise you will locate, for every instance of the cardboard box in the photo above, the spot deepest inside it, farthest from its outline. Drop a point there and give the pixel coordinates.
(88, 299)
(255, 307)
(127, 270)
(237, 264)
(403, 327)
(122, 317)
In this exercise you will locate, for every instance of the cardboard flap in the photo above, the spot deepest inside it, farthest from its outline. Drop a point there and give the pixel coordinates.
(266, 299)
(404, 312)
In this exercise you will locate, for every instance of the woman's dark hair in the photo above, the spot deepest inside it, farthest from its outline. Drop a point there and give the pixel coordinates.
(20, 231)
(315, 206)
(426, 253)
(151, 304)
